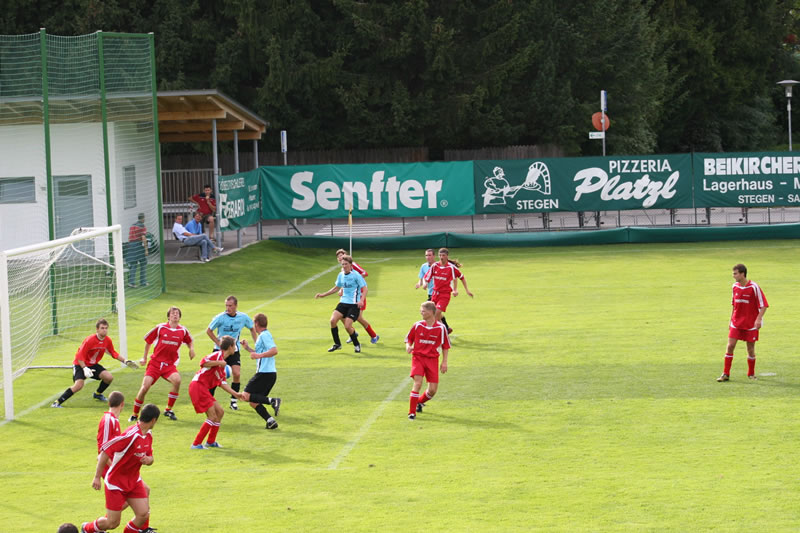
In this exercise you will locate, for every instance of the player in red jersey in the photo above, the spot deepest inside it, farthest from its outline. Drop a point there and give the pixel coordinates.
(109, 423)
(444, 273)
(210, 376)
(87, 363)
(123, 484)
(168, 338)
(373, 337)
(423, 342)
(109, 427)
(749, 305)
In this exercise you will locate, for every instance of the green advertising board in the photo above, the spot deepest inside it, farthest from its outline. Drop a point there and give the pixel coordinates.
(240, 200)
(372, 190)
(764, 179)
(583, 184)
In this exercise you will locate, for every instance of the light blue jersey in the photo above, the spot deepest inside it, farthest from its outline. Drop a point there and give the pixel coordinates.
(226, 324)
(424, 270)
(264, 343)
(351, 283)
(195, 227)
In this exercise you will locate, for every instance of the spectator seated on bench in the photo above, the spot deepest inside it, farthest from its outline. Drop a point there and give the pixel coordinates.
(188, 238)
(195, 226)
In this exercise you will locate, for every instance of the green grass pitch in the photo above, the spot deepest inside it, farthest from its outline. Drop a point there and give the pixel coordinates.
(581, 396)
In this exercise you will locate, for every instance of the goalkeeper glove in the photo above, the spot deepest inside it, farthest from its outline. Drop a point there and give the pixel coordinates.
(88, 372)
(131, 364)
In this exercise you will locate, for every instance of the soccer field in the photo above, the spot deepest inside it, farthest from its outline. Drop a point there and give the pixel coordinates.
(580, 396)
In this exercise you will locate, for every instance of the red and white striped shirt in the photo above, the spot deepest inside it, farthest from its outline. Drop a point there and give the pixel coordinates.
(126, 453)
(360, 270)
(168, 341)
(107, 429)
(211, 377)
(443, 277)
(426, 340)
(746, 301)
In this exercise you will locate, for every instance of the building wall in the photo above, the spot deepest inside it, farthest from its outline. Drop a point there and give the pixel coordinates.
(76, 150)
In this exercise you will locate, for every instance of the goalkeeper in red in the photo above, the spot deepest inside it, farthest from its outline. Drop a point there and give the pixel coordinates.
(749, 305)
(87, 364)
(423, 342)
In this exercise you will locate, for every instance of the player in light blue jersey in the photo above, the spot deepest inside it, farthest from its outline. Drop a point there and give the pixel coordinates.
(354, 291)
(260, 385)
(231, 323)
(430, 259)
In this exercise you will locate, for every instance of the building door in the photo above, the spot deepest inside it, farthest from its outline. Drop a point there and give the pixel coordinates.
(73, 204)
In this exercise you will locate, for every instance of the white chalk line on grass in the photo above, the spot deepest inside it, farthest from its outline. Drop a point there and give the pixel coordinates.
(294, 289)
(367, 424)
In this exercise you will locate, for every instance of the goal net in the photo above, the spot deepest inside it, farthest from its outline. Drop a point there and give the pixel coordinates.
(52, 294)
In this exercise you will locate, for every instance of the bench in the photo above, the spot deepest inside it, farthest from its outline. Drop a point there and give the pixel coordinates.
(185, 247)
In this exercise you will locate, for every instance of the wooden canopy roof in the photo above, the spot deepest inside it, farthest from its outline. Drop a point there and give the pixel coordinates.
(186, 116)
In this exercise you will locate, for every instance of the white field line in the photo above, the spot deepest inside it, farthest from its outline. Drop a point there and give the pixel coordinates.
(294, 289)
(367, 424)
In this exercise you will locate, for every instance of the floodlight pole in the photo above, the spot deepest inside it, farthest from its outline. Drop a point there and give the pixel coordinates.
(787, 86)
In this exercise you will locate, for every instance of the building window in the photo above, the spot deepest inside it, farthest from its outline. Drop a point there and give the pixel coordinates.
(17, 191)
(129, 183)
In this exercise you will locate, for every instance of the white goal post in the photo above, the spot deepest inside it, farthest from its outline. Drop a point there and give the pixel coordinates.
(52, 293)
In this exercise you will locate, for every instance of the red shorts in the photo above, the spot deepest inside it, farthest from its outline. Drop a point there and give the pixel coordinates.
(365, 304)
(747, 335)
(116, 499)
(160, 369)
(425, 366)
(441, 299)
(201, 397)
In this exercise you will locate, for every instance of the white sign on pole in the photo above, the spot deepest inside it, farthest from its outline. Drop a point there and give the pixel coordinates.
(604, 101)
(284, 142)
(597, 135)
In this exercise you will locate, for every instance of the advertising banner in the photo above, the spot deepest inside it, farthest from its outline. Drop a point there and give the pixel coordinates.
(240, 201)
(371, 190)
(765, 179)
(583, 184)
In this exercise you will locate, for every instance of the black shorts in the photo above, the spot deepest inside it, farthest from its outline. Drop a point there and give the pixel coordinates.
(262, 383)
(350, 311)
(77, 372)
(234, 359)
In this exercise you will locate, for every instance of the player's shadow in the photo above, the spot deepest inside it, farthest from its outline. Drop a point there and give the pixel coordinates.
(436, 418)
(296, 427)
(264, 452)
(465, 342)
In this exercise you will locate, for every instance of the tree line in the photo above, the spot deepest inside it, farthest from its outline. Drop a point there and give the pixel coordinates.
(681, 75)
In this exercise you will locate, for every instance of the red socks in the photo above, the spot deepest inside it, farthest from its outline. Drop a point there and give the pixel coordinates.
(371, 332)
(204, 429)
(415, 398)
(751, 366)
(412, 403)
(137, 406)
(131, 527)
(728, 361)
(171, 399)
(212, 435)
